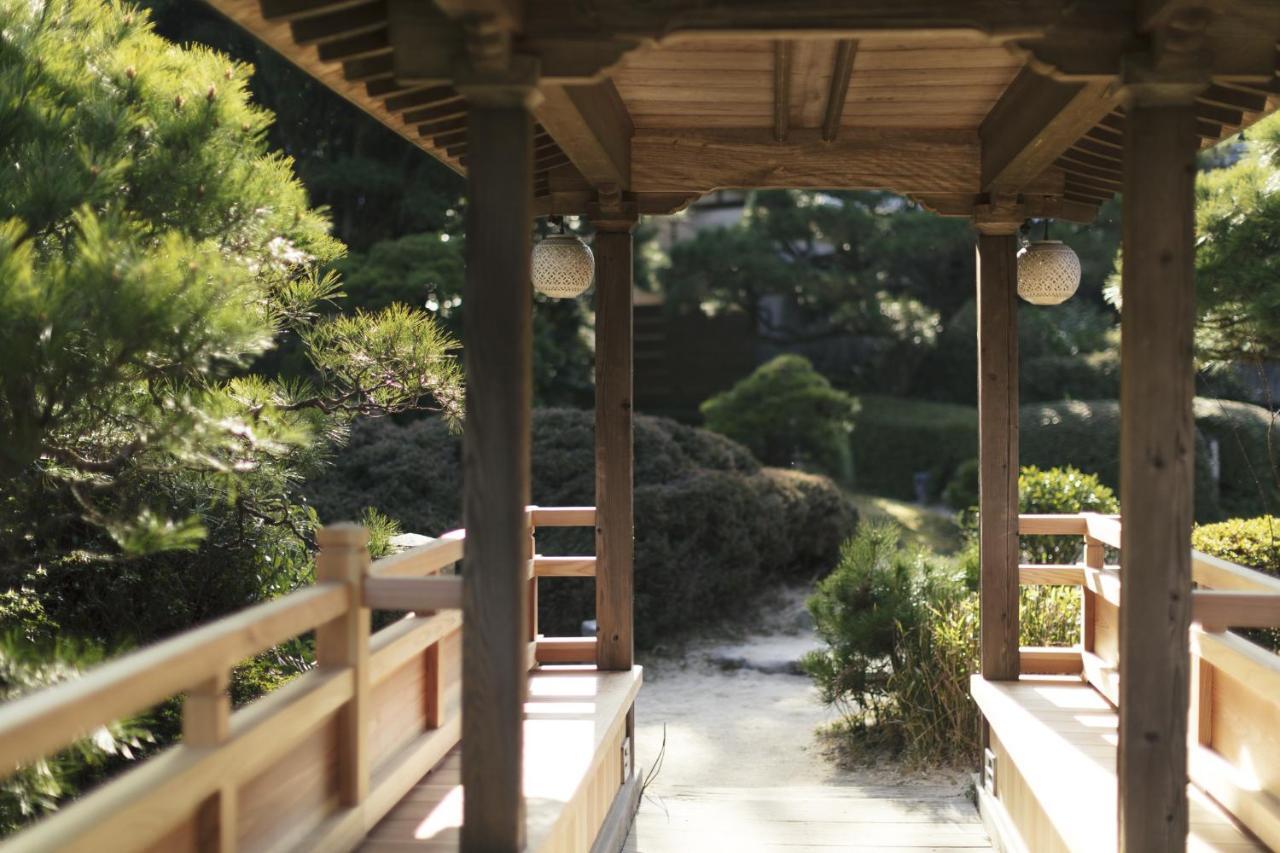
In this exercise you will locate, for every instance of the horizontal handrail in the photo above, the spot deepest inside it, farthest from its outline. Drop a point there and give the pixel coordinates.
(44, 722)
(1217, 573)
(431, 558)
(562, 516)
(416, 594)
(1220, 609)
(564, 567)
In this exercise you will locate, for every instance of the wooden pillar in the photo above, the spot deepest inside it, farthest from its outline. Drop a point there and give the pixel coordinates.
(1157, 446)
(497, 340)
(206, 723)
(615, 533)
(998, 446)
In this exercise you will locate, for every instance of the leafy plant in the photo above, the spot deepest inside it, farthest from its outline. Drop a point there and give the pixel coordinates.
(788, 414)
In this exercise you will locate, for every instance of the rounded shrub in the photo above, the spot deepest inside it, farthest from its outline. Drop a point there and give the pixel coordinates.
(788, 414)
(1249, 481)
(712, 525)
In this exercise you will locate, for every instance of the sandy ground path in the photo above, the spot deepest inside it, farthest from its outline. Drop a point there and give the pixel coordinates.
(742, 770)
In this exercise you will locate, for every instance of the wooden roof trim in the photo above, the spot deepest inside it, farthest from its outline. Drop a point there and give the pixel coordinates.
(276, 32)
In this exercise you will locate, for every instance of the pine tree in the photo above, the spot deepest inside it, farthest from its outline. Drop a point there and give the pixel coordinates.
(151, 249)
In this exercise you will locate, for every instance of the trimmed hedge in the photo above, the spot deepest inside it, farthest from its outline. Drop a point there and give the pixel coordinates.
(712, 525)
(1249, 479)
(1086, 435)
(895, 438)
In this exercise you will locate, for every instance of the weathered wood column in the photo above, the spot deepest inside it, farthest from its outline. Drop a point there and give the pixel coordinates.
(998, 440)
(1157, 447)
(497, 342)
(615, 525)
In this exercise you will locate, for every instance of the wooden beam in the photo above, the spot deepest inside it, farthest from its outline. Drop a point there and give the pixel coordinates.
(355, 47)
(1157, 435)
(841, 72)
(496, 472)
(1033, 123)
(297, 10)
(696, 160)
(342, 24)
(615, 523)
(781, 89)
(998, 449)
(593, 128)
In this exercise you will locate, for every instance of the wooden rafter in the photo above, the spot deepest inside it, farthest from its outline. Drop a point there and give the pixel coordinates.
(841, 73)
(346, 23)
(782, 51)
(593, 128)
(1033, 123)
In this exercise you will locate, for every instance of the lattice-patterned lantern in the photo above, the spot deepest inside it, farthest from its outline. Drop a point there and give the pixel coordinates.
(1048, 271)
(563, 266)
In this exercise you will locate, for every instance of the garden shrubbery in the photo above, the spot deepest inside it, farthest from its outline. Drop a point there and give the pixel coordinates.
(901, 627)
(787, 414)
(712, 525)
(897, 438)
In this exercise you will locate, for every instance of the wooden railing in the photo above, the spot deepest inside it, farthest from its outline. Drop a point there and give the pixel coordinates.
(312, 766)
(1235, 686)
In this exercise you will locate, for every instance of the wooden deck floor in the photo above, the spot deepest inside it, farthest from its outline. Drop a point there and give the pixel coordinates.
(801, 819)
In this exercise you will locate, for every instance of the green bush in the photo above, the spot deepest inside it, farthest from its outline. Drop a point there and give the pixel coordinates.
(712, 525)
(896, 438)
(900, 630)
(901, 633)
(787, 414)
(1060, 491)
(961, 493)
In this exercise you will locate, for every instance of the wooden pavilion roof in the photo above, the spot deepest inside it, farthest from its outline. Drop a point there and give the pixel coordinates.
(947, 101)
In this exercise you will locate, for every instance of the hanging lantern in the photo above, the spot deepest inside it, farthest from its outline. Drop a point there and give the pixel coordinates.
(1048, 271)
(563, 265)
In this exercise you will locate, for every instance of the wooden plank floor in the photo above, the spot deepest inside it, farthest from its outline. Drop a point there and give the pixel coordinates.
(1061, 735)
(799, 819)
(567, 716)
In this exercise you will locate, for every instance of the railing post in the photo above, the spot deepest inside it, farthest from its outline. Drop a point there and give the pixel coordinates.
(615, 523)
(206, 723)
(344, 642)
(1094, 558)
(998, 444)
(1157, 439)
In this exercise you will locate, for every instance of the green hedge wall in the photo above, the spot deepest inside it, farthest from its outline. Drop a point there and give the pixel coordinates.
(895, 438)
(712, 525)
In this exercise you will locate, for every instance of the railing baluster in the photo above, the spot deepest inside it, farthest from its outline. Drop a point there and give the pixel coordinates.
(206, 723)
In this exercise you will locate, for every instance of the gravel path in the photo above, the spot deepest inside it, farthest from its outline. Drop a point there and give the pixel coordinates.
(742, 770)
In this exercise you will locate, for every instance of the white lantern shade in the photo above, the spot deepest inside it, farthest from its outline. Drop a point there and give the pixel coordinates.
(1048, 272)
(563, 266)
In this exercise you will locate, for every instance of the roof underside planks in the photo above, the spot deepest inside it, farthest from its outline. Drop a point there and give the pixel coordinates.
(944, 102)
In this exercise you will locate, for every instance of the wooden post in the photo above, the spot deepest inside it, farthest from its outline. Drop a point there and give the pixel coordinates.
(344, 642)
(497, 340)
(1157, 446)
(206, 723)
(615, 527)
(998, 446)
(1095, 558)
